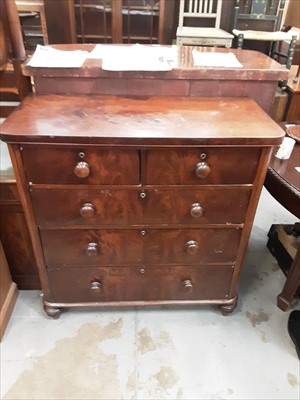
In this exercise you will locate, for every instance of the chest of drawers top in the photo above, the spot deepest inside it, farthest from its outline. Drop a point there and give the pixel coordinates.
(140, 121)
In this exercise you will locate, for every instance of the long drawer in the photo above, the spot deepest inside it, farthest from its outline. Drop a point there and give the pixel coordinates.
(117, 284)
(72, 165)
(201, 166)
(69, 207)
(63, 248)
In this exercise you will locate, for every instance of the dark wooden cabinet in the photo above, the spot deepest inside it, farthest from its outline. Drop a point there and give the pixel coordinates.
(159, 217)
(8, 293)
(15, 237)
(96, 21)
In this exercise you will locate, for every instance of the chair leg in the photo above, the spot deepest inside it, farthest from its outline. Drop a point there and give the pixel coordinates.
(273, 50)
(240, 41)
(289, 60)
(291, 52)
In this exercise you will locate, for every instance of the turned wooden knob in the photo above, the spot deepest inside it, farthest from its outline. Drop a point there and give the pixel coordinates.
(196, 210)
(187, 285)
(82, 169)
(192, 247)
(95, 286)
(87, 210)
(92, 249)
(202, 170)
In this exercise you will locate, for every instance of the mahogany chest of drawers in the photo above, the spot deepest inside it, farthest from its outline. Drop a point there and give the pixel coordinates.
(139, 201)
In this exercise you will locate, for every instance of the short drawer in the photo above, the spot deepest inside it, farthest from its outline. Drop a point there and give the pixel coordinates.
(69, 207)
(70, 165)
(202, 166)
(65, 248)
(120, 284)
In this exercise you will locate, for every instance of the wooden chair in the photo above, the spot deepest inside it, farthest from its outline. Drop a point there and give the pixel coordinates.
(188, 31)
(35, 6)
(266, 13)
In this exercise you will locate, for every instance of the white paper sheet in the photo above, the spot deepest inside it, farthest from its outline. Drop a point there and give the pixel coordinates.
(48, 57)
(100, 50)
(137, 58)
(215, 59)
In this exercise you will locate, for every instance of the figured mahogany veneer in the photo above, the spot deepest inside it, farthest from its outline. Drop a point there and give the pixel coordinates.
(214, 166)
(69, 165)
(104, 207)
(136, 285)
(136, 201)
(139, 246)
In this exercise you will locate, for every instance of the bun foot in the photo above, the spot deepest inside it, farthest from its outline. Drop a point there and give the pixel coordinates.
(53, 312)
(227, 309)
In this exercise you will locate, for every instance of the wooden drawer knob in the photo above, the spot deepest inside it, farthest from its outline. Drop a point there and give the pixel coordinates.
(187, 285)
(192, 247)
(92, 249)
(202, 170)
(95, 286)
(87, 210)
(196, 210)
(82, 169)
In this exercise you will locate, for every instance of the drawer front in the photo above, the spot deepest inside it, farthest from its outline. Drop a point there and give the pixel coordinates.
(69, 165)
(201, 166)
(63, 248)
(68, 207)
(117, 284)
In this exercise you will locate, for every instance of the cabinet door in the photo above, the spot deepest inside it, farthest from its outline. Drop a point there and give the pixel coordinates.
(141, 21)
(119, 21)
(94, 21)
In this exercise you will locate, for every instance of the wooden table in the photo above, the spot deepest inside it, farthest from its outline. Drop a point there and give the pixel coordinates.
(283, 182)
(258, 79)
